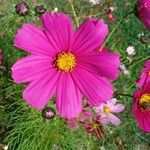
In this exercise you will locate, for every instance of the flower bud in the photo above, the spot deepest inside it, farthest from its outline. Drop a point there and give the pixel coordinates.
(48, 113)
(144, 39)
(40, 9)
(22, 9)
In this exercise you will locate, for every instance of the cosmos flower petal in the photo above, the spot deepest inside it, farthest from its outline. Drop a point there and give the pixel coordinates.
(141, 80)
(30, 68)
(96, 89)
(142, 119)
(89, 35)
(118, 108)
(102, 63)
(143, 12)
(114, 120)
(38, 92)
(111, 102)
(73, 123)
(144, 122)
(68, 97)
(138, 94)
(58, 28)
(33, 40)
(105, 119)
(100, 108)
(145, 77)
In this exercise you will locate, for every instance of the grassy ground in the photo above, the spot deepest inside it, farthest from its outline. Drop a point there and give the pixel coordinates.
(26, 128)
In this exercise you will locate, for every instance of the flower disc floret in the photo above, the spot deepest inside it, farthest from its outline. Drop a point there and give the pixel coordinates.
(65, 62)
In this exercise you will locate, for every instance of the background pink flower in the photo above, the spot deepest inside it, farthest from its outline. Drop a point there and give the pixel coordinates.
(84, 117)
(145, 75)
(106, 110)
(141, 108)
(143, 12)
(63, 63)
(94, 127)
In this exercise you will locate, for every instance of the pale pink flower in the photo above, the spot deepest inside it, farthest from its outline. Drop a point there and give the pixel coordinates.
(106, 110)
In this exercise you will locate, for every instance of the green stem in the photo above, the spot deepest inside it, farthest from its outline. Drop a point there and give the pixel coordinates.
(122, 94)
(116, 26)
(74, 12)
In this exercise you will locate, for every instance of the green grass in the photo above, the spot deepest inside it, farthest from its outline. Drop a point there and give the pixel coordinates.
(27, 129)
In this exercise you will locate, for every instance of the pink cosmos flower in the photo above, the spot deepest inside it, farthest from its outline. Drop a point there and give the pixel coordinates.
(141, 108)
(63, 63)
(94, 127)
(106, 110)
(143, 12)
(83, 117)
(145, 75)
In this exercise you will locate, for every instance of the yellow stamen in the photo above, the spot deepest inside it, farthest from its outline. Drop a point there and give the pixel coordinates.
(145, 98)
(65, 61)
(106, 110)
(95, 126)
(144, 102)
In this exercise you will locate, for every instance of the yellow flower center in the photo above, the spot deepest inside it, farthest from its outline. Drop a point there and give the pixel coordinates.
(144, 102)
(106, 110)
(95, 126)
(65, 61)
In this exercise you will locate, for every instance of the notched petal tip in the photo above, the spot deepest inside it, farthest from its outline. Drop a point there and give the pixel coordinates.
(53, 15)
(22, 29)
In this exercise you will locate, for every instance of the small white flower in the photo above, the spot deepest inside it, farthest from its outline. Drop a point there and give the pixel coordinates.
(111, 8)
(5, 147)
(95, 2)
(55, 10)
(130, 50)
(126, 72)
(102, 148)
(123, 68)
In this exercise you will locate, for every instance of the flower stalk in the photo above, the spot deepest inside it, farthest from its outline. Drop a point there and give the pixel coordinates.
(114, 29)
(74, 12)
